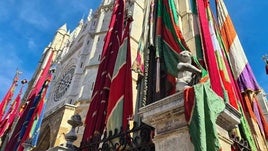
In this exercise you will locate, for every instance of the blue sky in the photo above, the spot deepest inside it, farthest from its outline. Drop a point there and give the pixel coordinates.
(27, 26)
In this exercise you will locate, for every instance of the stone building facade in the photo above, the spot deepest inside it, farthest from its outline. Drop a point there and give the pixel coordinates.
(76, 63)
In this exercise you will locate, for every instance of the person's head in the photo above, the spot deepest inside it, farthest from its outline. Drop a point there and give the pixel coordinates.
(185, 56)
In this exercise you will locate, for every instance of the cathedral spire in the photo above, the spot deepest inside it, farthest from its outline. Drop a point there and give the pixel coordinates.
(89, 16)
(60, 38)
(81, 22)
(63, 27)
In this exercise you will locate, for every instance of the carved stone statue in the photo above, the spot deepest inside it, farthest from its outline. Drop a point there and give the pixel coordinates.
(186, 71)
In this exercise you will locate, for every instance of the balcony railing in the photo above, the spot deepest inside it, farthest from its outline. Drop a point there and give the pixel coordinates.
(139, 138)
(239, 144)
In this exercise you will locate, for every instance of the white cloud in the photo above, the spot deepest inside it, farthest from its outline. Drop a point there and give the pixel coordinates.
(30, 13)
(31, 44)
(24, 21)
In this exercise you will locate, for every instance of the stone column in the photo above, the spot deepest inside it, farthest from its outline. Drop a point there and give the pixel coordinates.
(227, 121)
(167, 117)
(171, 130)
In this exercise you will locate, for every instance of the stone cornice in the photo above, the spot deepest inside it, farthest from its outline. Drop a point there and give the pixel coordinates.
(58, 109)
(172, 102)
(171, 109)
(229, 118)
(165, 115)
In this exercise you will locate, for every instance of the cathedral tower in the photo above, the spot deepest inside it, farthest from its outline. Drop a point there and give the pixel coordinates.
(77, 62)
(76, 68)
(59, 41)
